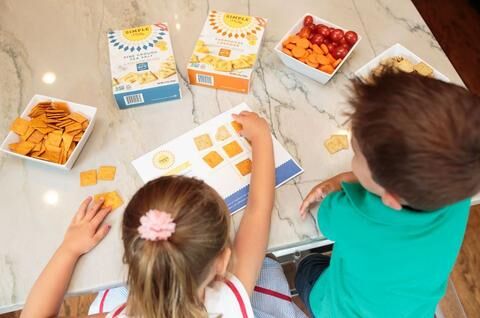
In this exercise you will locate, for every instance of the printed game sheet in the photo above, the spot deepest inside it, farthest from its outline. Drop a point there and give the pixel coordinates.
(217, 154)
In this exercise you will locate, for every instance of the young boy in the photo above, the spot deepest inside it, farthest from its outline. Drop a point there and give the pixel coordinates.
(399, 222)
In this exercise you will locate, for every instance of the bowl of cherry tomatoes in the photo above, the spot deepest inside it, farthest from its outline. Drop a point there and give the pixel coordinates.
(316, 48)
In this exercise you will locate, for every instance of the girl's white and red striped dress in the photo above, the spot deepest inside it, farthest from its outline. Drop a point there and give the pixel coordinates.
(228, 298)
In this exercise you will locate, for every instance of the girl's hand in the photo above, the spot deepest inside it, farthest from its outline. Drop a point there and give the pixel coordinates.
(318, 193)
(254, 126)
(85, 232)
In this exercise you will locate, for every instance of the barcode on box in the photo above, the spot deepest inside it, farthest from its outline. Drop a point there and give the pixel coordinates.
(205, 79)
(133, 99)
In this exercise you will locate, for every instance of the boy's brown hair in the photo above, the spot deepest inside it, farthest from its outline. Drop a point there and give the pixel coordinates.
(164, 276)
(420, 137)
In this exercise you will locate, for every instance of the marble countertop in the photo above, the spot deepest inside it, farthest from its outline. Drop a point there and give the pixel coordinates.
(68, 38)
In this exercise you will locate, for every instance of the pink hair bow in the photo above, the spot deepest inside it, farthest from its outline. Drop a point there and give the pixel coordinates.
(156, 226)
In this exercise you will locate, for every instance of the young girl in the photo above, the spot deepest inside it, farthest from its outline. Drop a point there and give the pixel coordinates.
(176, 237)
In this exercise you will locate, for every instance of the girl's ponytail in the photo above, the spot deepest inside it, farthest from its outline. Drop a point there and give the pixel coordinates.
(164, 276)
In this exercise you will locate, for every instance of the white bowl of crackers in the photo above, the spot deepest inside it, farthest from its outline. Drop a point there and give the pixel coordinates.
(50, 131)
(401, 59)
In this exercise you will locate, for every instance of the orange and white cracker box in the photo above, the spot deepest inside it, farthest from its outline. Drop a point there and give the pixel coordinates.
(143, 66)
(226, 51)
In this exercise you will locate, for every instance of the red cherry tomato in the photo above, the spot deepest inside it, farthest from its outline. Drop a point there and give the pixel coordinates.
(335, 44)
(318, 27)
(317, 39)
(308, 20)
(340, 52)
(342, 41)
(336, 35)
(311, 36)
(327, 41)
(323, 30)
(330, 47)
(345, 45)
(304, 32)
(351, 37)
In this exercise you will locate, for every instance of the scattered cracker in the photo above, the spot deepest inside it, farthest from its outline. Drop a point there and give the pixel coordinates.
(106, 173)
(88, 178)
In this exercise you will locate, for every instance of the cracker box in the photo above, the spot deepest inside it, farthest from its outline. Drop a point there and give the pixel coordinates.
(226, 51)
(143, 66)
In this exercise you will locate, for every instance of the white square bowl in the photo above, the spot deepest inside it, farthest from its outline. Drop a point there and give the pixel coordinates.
(88, 111)
(395, 50)
(303, 68)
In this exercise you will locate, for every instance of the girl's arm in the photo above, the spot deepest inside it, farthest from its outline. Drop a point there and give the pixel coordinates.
(252, 236)
(82, 235)
(322, 189)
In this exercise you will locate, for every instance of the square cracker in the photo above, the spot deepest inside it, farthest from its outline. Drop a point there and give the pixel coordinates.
(88, 178)
(203, 142)
(20, 126)
(106, 173)
(213, 159)
(244, 167)
(336, 143)
(237, 126)
(112, 199)
(77, 117)
(232, 149)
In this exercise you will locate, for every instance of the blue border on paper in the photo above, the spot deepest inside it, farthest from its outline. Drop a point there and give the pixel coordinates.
(283, 173)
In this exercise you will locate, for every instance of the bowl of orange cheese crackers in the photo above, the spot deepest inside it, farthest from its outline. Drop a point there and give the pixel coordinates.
(50, 131)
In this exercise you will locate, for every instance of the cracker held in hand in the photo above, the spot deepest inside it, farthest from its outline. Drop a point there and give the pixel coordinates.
(53, 131)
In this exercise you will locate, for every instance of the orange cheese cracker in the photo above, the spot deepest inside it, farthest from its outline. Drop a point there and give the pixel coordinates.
(232, 149)
(213, 159)
(237, 126)
(106, 173)
(244, 167)
(112, 199)
(336, 143)
(88, 178)
(20, 126)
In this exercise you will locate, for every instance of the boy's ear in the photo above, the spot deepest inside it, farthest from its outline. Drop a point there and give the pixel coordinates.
(391, 200)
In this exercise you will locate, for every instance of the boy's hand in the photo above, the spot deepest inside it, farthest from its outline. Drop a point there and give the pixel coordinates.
(85, 232)
(318, 193)
(254, 126)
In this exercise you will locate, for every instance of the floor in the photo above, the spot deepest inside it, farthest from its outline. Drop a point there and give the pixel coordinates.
(456, 25)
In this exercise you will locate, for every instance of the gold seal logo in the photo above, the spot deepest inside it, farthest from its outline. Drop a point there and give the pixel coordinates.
(163, 160)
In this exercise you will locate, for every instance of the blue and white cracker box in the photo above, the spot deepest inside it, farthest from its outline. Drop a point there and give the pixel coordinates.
(143, 66)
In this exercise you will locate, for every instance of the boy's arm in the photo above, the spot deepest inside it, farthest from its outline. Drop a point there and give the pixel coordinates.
(321, 190)
(83, 234)
(252, 236)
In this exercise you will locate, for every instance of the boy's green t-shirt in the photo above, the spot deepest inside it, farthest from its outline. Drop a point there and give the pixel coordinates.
(385, 263)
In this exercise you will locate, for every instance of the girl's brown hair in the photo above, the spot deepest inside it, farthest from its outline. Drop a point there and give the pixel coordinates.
(164, 276)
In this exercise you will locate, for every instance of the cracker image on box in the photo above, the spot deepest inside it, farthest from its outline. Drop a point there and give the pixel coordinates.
(244, 167)
(143, 66)
(203, 142)
(213, 159)
(225, 53)
(232, 149)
